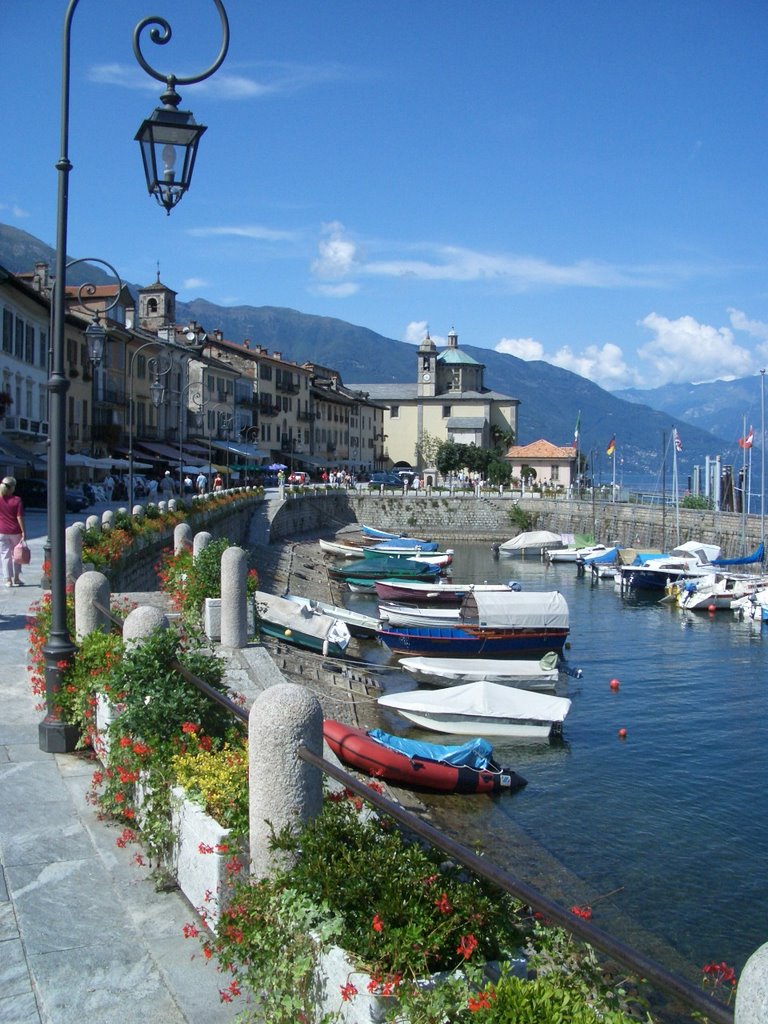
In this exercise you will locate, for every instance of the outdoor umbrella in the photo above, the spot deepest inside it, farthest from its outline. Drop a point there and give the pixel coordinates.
(276, 467)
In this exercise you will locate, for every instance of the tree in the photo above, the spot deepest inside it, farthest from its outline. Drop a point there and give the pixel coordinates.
(427, 448)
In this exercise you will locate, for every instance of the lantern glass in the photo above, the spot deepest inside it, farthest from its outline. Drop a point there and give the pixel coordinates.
(169, 139)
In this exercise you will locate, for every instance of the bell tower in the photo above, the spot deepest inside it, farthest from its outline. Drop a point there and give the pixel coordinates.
(157, 306)
(427, 368)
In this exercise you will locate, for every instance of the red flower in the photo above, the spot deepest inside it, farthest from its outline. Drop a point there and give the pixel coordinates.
(190, 931)
(584, 912)
(348, 992)
(482, 1002)
(125, 741)
(204, 848)
(467, 945)
(719, 974)
(443, 904)
(190, 727)
(377, 924)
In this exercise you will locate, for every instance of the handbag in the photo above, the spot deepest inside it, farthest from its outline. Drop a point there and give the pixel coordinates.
(22, 554)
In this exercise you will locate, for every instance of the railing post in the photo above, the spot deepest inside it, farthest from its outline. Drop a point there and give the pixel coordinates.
(284, 790)
(141, 623)
(73, 552)
(201, 541)
(182, 538)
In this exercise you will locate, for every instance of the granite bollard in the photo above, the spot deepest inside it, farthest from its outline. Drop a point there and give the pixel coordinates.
(752, 992)
(234, 598)
(182, 538)
(284, 790)
(201, 541)
(141, 623)
(73, 551)
(90, 587)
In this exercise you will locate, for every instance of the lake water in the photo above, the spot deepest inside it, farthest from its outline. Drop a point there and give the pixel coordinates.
(675, 816)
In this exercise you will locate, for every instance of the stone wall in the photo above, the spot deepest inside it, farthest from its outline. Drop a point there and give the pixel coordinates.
(491, 518)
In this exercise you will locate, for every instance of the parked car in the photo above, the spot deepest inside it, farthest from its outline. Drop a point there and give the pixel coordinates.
(298, 477)
(33, 492)
(386, 480)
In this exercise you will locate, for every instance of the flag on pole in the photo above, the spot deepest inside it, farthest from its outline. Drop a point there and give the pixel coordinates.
(576, 430)
(678, 442)
(611, 446)
(746, 442)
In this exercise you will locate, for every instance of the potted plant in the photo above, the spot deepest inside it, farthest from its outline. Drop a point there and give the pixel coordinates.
(409, 936)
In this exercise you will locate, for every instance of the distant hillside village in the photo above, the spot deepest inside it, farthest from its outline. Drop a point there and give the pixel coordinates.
(178, 396)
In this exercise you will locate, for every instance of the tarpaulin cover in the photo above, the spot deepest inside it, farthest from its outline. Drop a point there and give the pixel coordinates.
(474, 754)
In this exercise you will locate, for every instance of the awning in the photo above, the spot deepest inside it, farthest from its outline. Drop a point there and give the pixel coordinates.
(163, 450)
(247, 451)
(15, 455)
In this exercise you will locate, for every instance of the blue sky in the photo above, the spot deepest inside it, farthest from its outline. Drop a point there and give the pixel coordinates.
(580, 182)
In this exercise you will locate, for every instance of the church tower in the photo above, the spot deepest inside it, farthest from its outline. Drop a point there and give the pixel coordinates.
(427, 368)
(157, 306)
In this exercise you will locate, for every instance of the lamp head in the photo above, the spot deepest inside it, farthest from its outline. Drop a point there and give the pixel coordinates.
(96, 337)
(169, 139)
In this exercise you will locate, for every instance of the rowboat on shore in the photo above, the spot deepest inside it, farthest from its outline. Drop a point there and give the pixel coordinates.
(482, 708)
(358, 623)
(468, 768)
(300, 625)
(392, 613)
(382, 535)
(341, 548)
(379, 568)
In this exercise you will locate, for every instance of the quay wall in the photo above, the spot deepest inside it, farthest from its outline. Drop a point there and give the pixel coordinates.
(493, 519)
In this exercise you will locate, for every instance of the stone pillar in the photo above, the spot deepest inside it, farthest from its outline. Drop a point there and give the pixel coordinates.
(138, 511)
(234, 599)
(201, 541)
(90, 587)
(93, 523)
(752, 992)
(182, 538)
(73, 539)
(141, 623)
(107, 519)
(284, 790)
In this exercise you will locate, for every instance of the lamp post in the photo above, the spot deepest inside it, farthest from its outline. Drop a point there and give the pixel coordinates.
(196, 399)
(168, 133)
(226, 431)
(159, 369)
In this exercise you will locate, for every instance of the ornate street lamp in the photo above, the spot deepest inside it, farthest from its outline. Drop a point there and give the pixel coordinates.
(199, 403)
(54, 735)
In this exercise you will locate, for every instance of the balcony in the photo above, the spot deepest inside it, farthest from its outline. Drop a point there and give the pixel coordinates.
(306, 416)
(270, 410)
(23, 426)
(287, 387)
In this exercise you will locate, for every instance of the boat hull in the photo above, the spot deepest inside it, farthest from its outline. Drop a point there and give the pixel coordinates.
(473, 641)
(455, 725)
(416, 592)
(356, 748)
(530, 675)
(328, 648)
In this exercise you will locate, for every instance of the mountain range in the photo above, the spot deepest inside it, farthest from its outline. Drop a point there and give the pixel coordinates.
(708, 417)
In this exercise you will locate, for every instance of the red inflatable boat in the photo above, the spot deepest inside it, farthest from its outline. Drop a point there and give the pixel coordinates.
(412, 765)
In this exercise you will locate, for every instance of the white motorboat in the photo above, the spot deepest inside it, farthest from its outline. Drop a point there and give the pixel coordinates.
(357, 622)
(572, 555)
(532, 542)
(683, 562)
(481, 709)
(527, 674)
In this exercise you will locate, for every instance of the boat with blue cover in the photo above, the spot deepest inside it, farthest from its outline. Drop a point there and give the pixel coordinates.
(380, 568)
(468, 768)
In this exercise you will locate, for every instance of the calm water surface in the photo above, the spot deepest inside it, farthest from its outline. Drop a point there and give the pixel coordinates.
(675, 815)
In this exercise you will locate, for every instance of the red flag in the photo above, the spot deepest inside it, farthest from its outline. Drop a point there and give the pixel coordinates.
(678, 442)
(746, 442)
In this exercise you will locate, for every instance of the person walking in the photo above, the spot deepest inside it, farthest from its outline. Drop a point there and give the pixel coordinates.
(11, 530)
(202, 483)
(166, 485)
(109, 486)
(218, 483)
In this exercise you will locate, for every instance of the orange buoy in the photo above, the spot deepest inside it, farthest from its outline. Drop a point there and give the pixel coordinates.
(614, 684)
(711, 609)
(622, 734)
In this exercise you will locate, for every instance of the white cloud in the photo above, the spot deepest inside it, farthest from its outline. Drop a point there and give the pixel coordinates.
(524, 348)
(14, 210)
(603, 364)
(337, 254)
(194, 282)
(416, 332)
(336, 291)
(685, 350)
(755, 328)
(254, 231)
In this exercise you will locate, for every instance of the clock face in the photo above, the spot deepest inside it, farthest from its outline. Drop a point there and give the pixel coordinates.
(426, 377)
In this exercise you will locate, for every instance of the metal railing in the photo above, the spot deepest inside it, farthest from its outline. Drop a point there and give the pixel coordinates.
(639, 964)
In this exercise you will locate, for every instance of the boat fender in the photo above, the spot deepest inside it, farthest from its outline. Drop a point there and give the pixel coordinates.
(325, 648)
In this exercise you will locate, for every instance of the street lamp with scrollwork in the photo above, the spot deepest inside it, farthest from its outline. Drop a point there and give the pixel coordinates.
(169, 139)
